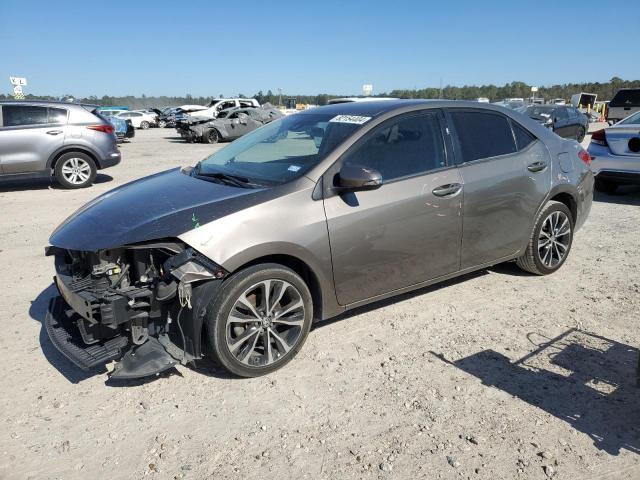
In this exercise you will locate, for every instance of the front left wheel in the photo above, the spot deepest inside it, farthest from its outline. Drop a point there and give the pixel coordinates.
(145, 125)
(259, 320)
(580, 134)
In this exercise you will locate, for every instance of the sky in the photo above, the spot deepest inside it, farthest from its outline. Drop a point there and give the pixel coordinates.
(208, 48)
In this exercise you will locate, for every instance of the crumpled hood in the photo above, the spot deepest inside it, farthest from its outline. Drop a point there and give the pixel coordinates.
(166, 204)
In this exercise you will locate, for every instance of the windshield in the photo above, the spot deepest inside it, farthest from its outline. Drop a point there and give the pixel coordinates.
(534, 111)
(282, 150)
(631, 120)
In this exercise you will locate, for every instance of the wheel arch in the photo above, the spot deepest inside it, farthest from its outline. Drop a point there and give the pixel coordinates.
(569, 201)
(197, 334)
(55, 156)
(300, 267)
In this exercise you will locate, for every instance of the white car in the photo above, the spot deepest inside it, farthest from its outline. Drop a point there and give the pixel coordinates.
(219, 104)
(138, 119)
(615, 154)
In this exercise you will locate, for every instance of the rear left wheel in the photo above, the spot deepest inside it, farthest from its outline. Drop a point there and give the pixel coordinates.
(580, 134)
(550, 241)
(259, 320)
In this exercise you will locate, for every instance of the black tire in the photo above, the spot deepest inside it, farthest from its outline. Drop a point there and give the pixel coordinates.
(532, 261)
(580, 134)
(66, 162)
(144, 125)
(220, 308)
(210, 136)
(605, 186)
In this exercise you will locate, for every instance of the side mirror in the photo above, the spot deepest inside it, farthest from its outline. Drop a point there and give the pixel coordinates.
(354, 178)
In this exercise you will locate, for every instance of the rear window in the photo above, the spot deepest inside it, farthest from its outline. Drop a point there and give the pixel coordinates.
(523, 137)
(482, 134)
(626, 98)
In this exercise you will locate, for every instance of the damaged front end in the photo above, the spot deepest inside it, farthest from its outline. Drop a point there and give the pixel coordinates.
(142, 305)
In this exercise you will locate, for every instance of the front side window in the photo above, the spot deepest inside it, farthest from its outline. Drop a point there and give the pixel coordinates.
(401, 147)
(560, 113)
(22, 115)
(482, 134)
(280, 151)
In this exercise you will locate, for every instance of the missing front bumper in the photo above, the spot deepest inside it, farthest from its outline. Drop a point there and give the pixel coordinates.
(148, 359)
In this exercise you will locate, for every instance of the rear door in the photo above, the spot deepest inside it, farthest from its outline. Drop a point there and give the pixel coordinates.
(506, 175)
(407, 231)
(29, 135)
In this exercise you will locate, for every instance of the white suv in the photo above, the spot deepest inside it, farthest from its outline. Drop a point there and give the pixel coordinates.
(219, 104)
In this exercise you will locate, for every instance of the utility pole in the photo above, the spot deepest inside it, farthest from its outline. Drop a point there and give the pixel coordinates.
(440, 94)
(279, 97)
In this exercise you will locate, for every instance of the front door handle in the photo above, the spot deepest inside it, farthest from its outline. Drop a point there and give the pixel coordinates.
(537, 167)
(447, 190)
(54, 132)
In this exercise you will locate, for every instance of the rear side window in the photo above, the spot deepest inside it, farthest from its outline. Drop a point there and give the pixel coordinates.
(402, 147)
(57, 115)
(20, 115)
(523, 137)
(482, 134)
(626, 98)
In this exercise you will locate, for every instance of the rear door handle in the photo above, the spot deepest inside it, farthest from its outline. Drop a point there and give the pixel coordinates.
(447, 190)
(537, 167)
(54, 132)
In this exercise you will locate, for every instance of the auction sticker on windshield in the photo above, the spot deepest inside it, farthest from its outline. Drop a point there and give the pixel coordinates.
(358, 120)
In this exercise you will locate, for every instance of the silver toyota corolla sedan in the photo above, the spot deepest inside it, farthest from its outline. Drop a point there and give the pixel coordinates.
(302, 219)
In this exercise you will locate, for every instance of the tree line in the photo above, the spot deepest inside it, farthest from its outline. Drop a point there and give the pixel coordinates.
(604, 90)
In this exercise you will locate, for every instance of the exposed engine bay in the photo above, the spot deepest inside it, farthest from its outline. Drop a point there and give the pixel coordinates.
(141, 304)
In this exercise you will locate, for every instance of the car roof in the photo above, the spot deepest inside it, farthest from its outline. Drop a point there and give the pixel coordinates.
(47, 102)
(380, 107)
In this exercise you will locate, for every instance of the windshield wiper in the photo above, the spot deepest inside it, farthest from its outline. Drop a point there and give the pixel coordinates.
(235, 180)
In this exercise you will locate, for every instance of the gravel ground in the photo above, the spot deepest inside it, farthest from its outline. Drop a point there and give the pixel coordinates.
(497, 375)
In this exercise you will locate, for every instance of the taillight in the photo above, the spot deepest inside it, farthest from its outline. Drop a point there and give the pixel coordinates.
(101, 128)
(599, 137)
(585, 157)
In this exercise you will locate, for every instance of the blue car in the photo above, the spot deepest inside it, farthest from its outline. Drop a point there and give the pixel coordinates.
(123, 128)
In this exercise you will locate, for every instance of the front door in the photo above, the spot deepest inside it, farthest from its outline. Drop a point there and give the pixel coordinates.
(28, 136)
(506, 175)
(407, 231)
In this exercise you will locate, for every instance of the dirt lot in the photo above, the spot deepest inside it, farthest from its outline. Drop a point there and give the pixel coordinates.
(453, 381)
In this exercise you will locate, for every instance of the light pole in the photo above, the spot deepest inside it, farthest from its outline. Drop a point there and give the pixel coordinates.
(279, 97)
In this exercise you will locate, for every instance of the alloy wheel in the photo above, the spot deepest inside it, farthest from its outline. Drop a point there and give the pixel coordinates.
(265, 323)
(554, 239)
(76, 171)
